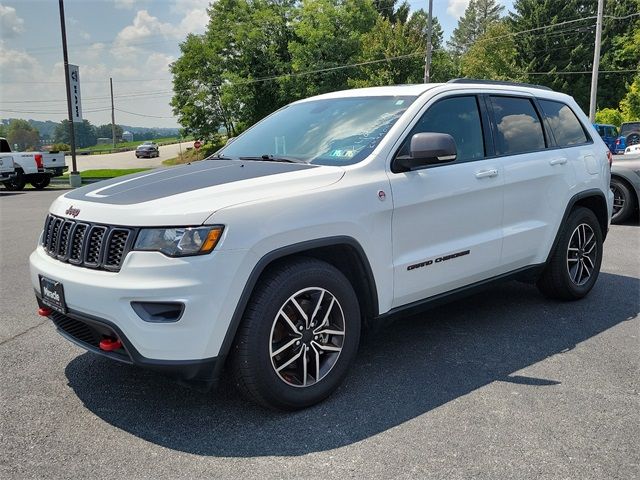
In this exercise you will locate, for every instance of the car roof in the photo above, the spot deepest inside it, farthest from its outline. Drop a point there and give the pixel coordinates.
(419, 89)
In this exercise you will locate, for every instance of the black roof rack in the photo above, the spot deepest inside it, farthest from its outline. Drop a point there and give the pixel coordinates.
(498, 82)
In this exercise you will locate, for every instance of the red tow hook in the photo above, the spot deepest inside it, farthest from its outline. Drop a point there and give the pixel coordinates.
(44, 311)
(110, 344)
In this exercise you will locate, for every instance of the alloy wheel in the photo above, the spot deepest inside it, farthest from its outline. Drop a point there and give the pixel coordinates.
(581, 254)
(307, 336)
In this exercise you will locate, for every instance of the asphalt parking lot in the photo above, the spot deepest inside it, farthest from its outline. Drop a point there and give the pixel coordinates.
(504, 384)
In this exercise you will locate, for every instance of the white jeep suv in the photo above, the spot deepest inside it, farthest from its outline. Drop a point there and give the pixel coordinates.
(335, 211)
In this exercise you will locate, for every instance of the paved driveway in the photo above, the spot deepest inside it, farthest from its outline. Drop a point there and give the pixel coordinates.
(501, 385)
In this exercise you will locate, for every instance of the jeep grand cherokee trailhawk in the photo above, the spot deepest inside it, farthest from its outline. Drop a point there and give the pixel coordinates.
(269, 257)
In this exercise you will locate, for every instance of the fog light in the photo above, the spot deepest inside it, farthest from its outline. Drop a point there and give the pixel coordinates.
(158, 312)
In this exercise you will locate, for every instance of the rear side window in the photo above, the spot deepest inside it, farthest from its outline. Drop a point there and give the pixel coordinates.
(4, 146)
(564, 124)
(601, 130)
(519, 127)
(460, 118)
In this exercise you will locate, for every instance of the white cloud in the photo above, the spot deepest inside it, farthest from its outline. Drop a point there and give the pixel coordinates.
(125, 4)
(456, 8)
(11, 24)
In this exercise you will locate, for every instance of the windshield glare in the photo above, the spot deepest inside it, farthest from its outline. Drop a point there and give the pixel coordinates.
(336, 131)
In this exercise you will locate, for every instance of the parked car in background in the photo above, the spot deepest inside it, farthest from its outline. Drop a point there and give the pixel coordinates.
(147, 150)
(625, 185)
(36, 168)
(633, 149)
(629, 135)
(608, 133)
(7, 167)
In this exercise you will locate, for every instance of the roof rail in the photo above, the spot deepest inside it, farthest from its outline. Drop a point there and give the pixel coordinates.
(498, 82)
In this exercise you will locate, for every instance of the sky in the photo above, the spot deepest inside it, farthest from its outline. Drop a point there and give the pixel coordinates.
(132, 41)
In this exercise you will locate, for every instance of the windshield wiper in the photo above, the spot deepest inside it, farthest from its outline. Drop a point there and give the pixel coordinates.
(273, 158)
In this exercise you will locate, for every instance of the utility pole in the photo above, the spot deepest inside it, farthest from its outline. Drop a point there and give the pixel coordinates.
(113, 116)
(427, 58)
(596, 63)
(74, 176)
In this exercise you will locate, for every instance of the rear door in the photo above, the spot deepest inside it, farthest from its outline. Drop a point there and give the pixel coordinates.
(447, 219)
(538, 178)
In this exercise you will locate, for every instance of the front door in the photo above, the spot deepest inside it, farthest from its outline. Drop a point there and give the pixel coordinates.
(447, 219)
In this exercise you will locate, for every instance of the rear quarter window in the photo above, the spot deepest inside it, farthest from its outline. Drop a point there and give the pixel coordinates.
(565, 126)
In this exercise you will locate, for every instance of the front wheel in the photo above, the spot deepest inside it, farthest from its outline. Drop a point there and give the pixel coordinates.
(575, 262)
(298, 337)
(623, 201)
(17, 183)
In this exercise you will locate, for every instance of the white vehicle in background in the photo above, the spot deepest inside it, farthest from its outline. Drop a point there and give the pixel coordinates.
(7, 168)
(36, 168)
(632, 149)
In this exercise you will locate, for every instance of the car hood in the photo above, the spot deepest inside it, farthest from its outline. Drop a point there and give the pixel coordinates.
(189, 194)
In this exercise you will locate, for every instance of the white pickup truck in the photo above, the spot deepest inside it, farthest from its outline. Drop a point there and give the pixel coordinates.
(35, 168)
(7, 167)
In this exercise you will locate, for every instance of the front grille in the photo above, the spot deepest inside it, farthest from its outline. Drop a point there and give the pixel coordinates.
(88, 245)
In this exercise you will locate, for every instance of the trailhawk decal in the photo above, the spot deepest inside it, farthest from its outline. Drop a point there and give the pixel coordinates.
(438, 260)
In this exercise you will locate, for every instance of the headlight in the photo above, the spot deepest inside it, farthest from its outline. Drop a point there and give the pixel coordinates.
(179, 241)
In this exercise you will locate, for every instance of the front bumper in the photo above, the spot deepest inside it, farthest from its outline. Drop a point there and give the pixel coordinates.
(208, 286)
(87, 332)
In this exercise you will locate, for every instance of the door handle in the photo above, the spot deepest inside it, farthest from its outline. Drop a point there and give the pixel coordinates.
(558, 161)
(487, 173)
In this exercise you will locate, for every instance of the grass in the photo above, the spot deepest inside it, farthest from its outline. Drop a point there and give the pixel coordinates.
(105, 148)
(108, 172)
(191, 155)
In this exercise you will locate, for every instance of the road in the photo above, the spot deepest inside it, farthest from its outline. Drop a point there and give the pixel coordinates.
(126, 159)
(500, 385)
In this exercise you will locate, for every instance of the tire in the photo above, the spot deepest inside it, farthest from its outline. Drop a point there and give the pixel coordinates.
(632, 139)
(624, 202)
(41, 181)
(272, 324)
(565, 276)
(17, 183)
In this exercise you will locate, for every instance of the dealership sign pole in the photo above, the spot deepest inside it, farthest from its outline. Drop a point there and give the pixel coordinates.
(74, 108)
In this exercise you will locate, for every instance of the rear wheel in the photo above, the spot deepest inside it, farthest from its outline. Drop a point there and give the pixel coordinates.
(41, 181)
(575, 262)
(298, 337)
(623, 201)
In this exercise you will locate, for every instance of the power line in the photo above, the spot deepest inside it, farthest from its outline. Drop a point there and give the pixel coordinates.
(141, 114)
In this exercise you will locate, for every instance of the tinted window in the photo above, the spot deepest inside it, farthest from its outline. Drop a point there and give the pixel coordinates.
(612, 132)
(460, 118)
(519, 128)
(600, 128)
(564, 124)
(4, 146)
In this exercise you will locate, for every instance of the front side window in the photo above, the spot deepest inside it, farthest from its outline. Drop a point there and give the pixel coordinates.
(460, 118)
(518, 124)
(564, 124)
(334, 131)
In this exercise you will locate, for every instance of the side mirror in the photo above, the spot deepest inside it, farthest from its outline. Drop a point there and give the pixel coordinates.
(427, 149)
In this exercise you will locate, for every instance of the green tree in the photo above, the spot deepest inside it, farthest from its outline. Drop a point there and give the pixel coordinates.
(328, 36)
(630, 104)
(391, 11)
(104, 131)
(570, 47)
(85, 134)
(492, 56)
(474, 23)
(22, 134)
(387, 40)
(609, 116)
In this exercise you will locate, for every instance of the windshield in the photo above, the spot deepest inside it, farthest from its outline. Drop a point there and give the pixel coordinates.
(629, 127)
(336, 131)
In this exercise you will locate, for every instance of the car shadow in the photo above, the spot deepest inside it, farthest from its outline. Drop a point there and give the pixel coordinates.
(407, 369)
